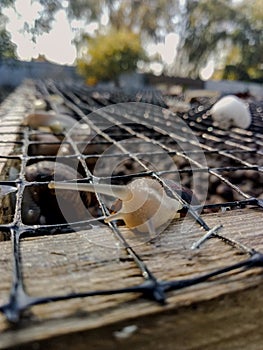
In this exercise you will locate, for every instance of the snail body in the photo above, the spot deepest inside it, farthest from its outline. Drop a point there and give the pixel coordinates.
(231, 111)
(145, 204)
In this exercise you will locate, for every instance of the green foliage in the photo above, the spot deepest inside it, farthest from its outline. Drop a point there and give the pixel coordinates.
(235, 72)
(108, 55)
(247, 40)
(152, 18)
(216, 28)
(7, 48)
(6, 3)
(207, 24)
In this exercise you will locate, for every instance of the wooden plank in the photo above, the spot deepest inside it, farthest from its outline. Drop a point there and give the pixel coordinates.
(65, 263)
(12, 113)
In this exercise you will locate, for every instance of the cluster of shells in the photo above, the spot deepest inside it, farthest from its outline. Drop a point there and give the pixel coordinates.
(48, 129)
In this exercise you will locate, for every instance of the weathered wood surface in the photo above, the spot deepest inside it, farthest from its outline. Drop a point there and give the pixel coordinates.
(223, 313)
(12, 113)
(11, 116)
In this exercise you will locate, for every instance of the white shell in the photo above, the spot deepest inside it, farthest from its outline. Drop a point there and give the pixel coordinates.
(57, 99)
(231, 111)
(39, 104)
(125, 332)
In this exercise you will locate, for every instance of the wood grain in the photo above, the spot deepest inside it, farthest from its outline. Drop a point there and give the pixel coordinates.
(72, 263)
(12, 113)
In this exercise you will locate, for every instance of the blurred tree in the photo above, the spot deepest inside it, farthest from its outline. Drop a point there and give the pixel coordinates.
(110, 54)
(43, 24)
(208, 29)
(5, 3)
(145, 18)
(207, 24)
(7, 48)
(153, 18)
(214, 29)
(245, 59)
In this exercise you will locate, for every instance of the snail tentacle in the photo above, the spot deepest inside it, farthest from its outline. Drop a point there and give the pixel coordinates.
(145, 205)
(121, 192)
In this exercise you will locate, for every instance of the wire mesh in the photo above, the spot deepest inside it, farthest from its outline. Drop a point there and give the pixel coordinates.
(138, 135)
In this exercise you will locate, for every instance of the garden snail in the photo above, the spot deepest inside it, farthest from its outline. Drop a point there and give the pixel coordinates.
(50, 121)
(42, 206)
(231, 111)
(59, 123)
(145, 204)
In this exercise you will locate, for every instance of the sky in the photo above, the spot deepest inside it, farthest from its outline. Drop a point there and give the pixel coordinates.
(57, 45)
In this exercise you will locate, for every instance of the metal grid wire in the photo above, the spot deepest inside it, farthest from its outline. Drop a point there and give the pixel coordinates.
(227, 153)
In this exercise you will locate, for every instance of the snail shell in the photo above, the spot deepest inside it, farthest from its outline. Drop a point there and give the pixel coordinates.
(59, 123)
(40, 204)
(231, 111)
(49, 145)
(56, 123)
(39, 104)
(57, 99)
(145, 204)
